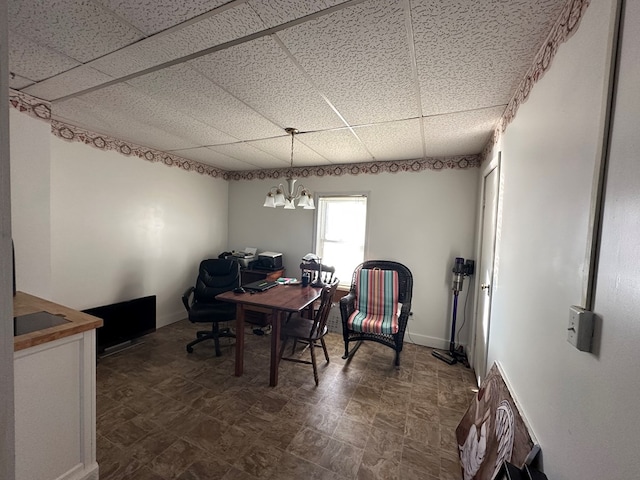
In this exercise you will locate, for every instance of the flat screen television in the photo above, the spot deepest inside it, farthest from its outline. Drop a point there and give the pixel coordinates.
(124, 322)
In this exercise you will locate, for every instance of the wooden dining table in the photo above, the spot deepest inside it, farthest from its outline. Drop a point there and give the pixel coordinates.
(280, 301)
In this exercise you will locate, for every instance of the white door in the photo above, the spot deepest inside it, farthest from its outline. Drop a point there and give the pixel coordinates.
(485, 270)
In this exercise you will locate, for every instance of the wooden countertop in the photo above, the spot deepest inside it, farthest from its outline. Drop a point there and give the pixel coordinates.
(79, 322)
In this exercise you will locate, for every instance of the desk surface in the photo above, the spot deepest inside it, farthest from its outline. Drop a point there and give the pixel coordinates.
(281, 299)
(287, 298)
(78, 322)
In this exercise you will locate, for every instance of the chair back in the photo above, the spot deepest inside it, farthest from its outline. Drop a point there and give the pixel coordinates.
(322, 315)
(320, 274)
(405, 278)
(215, 277)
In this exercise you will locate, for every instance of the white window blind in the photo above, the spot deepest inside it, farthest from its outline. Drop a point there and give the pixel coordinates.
(341, 223)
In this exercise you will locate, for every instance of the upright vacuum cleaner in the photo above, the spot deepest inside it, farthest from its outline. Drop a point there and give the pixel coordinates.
(460, 270)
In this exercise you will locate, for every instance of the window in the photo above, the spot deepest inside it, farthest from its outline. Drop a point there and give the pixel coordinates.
(341, 222)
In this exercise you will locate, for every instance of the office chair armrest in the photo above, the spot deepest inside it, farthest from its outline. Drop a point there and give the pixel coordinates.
(185, 297)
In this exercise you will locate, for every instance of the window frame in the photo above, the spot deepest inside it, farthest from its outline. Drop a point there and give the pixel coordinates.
(344, 282)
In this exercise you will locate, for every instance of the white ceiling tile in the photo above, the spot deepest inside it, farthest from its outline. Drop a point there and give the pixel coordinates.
(186, 90)
(464, 133)
(215, 30)
(277, 12)
(337, 146)
(17, 82)
(68, 82)
(215, 159)
(33, 61)
(250, 155)
(399, 140)
(118, 125)
(280, 148)
(148, 111)
(78, 28)
(359, 57)
(261, 75)
(152, 16)
(473, 54)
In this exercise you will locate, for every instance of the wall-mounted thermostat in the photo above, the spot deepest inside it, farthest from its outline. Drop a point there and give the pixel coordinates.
(580, 331)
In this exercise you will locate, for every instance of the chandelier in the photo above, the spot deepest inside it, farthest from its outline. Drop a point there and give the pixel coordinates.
(285, 196)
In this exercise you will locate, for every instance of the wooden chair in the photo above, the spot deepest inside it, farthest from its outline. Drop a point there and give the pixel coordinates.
(377, 306)
(309, 331)
(319, 274)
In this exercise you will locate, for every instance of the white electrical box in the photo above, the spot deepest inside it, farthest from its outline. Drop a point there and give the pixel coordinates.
(580, 330)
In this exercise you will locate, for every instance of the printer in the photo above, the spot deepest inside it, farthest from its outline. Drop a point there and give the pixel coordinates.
(269, 261)
(244, 258)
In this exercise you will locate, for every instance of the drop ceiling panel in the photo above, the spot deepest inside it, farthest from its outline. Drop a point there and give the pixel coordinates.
(464, 133)
(79, 29)
(277, 12)
(131, 103)
(474, 54)
(399, 140)
(215, 159)
(31, 60)
(360, 58)
(117, 125)
(187, 91)
(17, 82)
(249, 155)
(337, 146)
(260, 74)
(214, 30)
(152, 16)
(280, 148)
(71, 81)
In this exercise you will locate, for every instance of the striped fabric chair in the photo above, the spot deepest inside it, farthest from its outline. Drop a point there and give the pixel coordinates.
(378, 305)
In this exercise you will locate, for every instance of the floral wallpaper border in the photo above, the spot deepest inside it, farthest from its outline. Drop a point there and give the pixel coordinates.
(563, 29)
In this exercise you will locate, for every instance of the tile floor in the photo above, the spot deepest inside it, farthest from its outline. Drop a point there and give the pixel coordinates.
(164, 414)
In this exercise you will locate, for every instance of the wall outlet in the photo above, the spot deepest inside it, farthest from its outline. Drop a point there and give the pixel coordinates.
(580, 330)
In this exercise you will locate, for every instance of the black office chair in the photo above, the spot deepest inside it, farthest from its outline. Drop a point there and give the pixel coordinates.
(215, 276)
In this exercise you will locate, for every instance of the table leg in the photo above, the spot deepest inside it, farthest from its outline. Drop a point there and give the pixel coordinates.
(239, 340)
(275, 347)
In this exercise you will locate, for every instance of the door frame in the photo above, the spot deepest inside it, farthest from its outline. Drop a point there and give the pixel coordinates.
(494, 164)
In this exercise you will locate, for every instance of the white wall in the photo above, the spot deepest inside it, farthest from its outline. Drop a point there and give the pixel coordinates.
(7, 414)
(580, 405)
(30, 202)
(423, 220)
(123, 228)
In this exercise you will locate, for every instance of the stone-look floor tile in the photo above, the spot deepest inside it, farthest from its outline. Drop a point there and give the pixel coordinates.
(393, 420)
(145, 473)
(408, 473)
(118, 464)
(128, 433)
(291, 467)
(309, 444)
(352, 431)
(210, 468)
(152, 444)
(176, 459)
(421, 458)
(423, 432)
(341, 458)
(164, 414)
(323, 420)
(260, 461)
(363, 412)
(374, 467)
(206, 434)
(236, 474)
